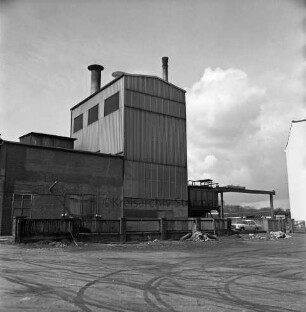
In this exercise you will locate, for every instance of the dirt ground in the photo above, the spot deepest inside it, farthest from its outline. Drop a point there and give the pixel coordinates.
(231, 274)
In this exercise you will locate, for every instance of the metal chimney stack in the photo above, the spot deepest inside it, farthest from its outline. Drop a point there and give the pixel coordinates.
(95, 77)
(165, 67)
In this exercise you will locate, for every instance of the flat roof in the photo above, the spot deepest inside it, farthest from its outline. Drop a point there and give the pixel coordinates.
(47, 135)
(62, 149)
(116, 79)
(226, 189)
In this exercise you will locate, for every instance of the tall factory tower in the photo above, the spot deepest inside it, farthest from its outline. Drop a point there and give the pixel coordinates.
(142, 118)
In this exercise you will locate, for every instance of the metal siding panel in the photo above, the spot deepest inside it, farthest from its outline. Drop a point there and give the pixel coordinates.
(154, 86)
(155, 104)
(106, 134)
(155, 138)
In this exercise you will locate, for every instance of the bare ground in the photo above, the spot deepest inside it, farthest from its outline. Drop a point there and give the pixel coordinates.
(232, 273)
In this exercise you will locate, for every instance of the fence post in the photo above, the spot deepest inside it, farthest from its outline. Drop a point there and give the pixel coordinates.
(15, 230)
(229, 226)
(163, 228)
(265, 225)
(122, 230)
(17, 225)
(195, 225)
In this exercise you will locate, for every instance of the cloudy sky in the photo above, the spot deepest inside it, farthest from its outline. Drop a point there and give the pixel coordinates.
(241, 62)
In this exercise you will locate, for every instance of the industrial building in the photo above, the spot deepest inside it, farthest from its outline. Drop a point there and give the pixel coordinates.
(296, 168)
(142, 118)
(126, 156)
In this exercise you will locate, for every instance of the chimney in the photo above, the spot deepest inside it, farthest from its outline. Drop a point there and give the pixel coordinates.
(95, 77)
(165, 68)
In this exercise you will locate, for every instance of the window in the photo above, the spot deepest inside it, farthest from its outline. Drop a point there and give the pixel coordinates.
(111, 104)
(78, 123)
(21, 205)
(93, 114)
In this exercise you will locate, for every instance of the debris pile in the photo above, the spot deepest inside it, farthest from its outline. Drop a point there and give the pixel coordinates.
(270, 236)
(279, 234)
(153, 242)
(198, 236)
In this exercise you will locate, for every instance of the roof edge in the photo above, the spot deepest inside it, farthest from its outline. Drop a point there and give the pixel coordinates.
(301, 120)
(292, 122)
(48, 135)
(93, 94)
(116, 79)
(63, 149)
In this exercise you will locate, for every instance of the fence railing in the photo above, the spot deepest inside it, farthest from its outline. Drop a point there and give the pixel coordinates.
(29, 227)
(127, 229)
(123, 229)
(99, 226)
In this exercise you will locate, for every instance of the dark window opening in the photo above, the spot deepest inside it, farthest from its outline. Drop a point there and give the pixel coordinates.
(78, 123)
(21, 205)
(111, 104)
(93, 114)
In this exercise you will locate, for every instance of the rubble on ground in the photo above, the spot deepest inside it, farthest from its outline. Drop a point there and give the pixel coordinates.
(198, 236)
(279, 234)
(269, 236)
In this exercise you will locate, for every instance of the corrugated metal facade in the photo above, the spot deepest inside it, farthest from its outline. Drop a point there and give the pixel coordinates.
(156, 138)
(155, 148)
(150, 129)
(201, 201)
(148, 180)
(106, 134)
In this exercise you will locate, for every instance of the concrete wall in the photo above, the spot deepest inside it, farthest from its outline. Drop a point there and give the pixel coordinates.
(32, 170)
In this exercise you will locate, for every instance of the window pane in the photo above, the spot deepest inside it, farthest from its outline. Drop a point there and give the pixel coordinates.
(111, 104)
(93, 114)
(26, 212)
(26, 204)
(78, 123)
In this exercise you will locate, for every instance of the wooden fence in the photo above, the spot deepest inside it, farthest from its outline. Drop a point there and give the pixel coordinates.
(128, 229)
(114, 230)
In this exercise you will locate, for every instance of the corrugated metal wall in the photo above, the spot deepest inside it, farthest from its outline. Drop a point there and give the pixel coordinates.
(154, 86)
(148, 180)
(156, 138)
(106, 134)
(155, 147)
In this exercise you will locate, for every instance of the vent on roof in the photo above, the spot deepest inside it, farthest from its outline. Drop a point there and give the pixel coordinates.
(95, 77)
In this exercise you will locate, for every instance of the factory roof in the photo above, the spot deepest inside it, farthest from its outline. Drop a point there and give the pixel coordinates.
(62, 149)
(47, 135)
(122, 74)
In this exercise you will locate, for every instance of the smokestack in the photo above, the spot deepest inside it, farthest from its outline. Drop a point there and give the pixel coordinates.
(95, 77)
(165, 68)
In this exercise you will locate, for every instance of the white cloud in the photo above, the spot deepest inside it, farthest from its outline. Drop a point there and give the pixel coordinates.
(237, 131)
